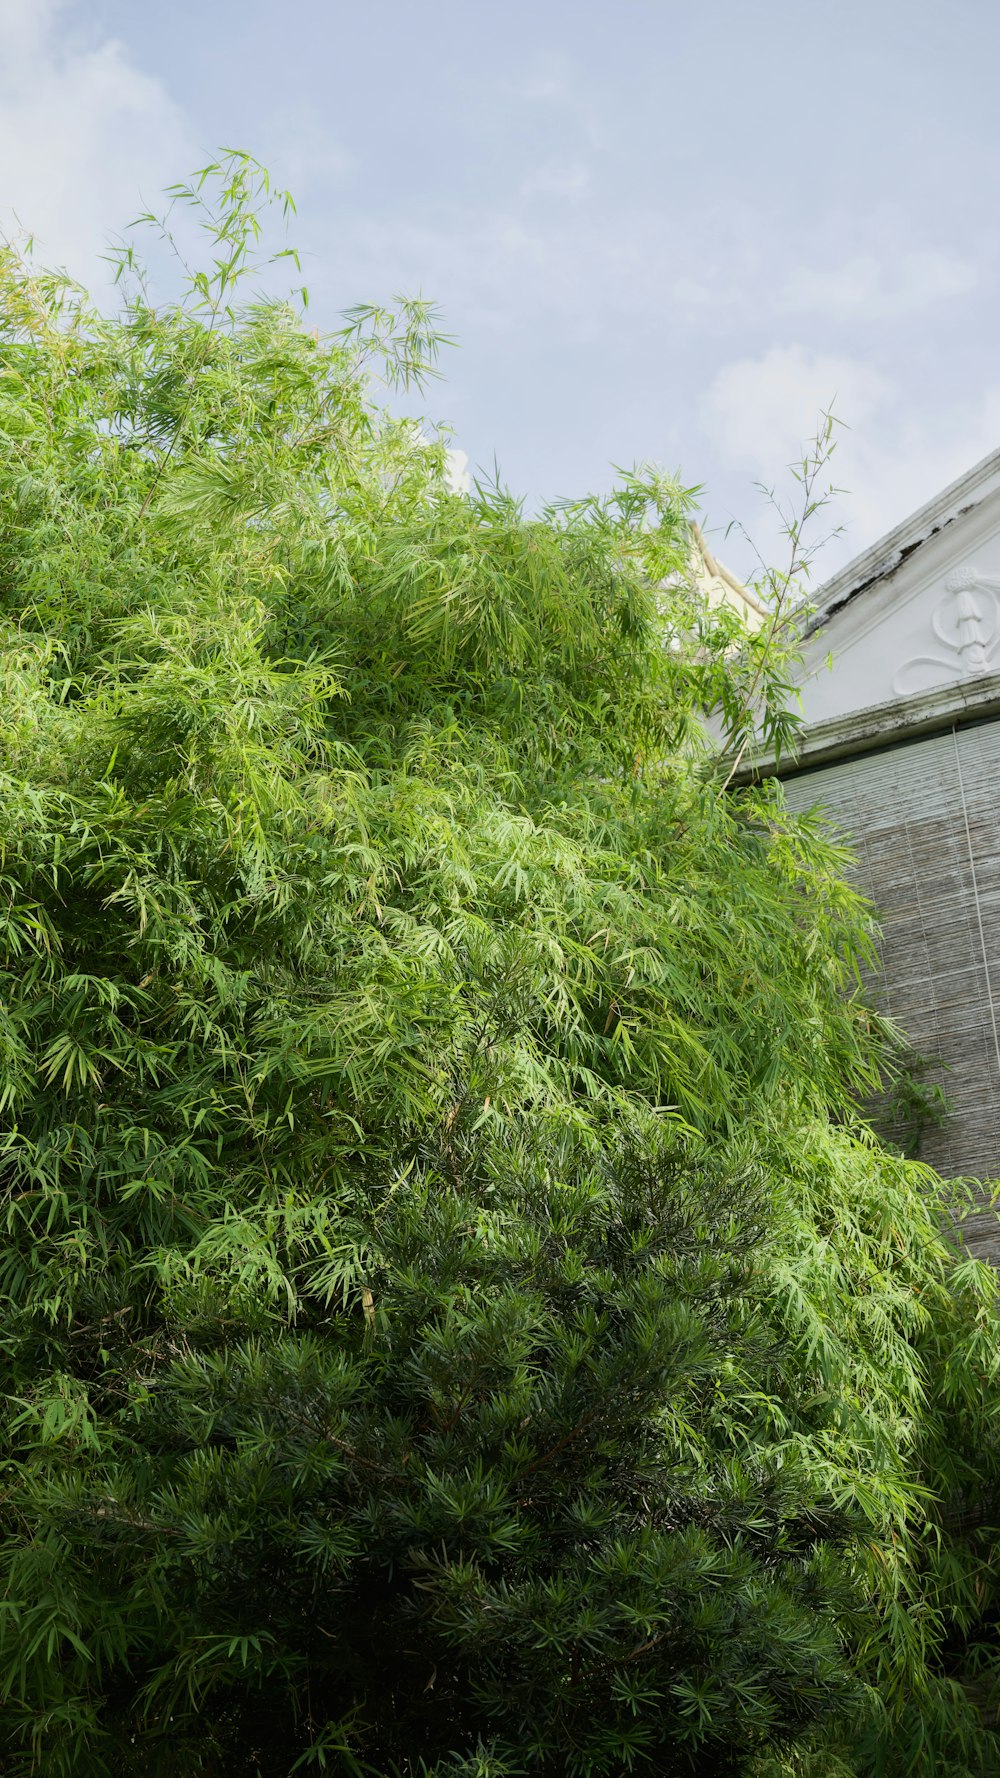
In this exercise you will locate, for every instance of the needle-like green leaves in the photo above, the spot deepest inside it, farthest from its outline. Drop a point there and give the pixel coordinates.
(453, 1318)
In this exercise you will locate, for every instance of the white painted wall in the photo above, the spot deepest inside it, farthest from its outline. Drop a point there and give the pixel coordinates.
(934, 620)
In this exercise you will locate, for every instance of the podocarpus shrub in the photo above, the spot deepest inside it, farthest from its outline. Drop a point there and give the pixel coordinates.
(453, 1317)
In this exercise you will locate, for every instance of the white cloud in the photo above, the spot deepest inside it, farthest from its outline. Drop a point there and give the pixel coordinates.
(890, 456)
(505, 269)
(86, 138)
(759, 411)
(539, 87)
(855, 270)
(910, 456)
(871, 286)
(547, 82)
(553, 181)
(562, 246)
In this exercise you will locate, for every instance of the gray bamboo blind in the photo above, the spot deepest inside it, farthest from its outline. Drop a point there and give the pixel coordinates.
(924, 821)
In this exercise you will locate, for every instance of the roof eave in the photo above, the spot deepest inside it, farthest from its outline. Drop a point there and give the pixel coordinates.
(885, 556)
(881, 726)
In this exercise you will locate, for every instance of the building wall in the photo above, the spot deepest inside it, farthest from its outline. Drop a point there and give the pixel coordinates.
(924, 820)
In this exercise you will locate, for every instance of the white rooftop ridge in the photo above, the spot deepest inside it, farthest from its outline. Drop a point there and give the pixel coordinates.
(718, 584)
(887, 554)
(905, 639)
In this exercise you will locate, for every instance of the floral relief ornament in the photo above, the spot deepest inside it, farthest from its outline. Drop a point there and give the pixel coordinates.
(967, 623)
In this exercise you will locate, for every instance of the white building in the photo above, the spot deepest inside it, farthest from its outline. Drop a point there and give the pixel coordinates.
(900, 687)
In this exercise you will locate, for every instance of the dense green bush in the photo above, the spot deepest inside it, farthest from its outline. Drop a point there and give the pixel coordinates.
(453, 1317)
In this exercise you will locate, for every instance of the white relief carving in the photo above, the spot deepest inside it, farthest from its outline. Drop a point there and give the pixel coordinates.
(967, 623)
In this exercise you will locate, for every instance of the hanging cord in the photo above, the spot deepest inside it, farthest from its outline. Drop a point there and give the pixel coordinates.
(975, 892)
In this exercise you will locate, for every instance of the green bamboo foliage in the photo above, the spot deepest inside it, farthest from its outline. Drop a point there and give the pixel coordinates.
(454, 1318)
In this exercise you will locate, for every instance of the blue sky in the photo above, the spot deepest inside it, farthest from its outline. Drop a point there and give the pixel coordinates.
(658, 231)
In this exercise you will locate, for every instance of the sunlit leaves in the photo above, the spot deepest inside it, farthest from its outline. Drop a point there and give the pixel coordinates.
(453, 1319)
